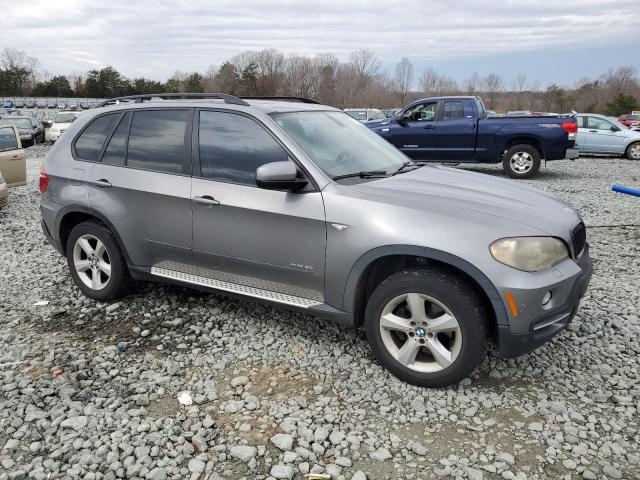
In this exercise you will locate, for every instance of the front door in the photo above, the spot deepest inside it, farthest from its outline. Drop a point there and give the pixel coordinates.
(415, 135)
(600, 136)
(270, 240)
(12, 159)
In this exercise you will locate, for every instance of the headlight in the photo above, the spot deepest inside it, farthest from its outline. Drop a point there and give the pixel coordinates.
(530, 254)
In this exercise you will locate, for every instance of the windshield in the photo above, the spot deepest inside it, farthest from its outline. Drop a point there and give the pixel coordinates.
(358, 114)
(65, 118)
(23, 123)
(338, 144)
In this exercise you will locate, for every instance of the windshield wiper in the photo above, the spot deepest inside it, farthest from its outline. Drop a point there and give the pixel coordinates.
(362, 174)
(409, 163)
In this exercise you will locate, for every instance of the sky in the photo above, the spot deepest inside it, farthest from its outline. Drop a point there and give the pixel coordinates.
(548, 41)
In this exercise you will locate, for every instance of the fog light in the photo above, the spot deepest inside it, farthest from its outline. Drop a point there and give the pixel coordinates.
(546, 299)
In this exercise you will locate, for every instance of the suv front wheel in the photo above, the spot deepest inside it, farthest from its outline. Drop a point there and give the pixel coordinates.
(427, 327)
(96, 262)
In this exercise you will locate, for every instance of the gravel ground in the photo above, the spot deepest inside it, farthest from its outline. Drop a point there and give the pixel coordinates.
(273, 397)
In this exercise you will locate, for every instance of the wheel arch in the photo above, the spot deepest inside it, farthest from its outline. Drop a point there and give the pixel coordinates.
(376, 264)
(519, 139)
(71, 215)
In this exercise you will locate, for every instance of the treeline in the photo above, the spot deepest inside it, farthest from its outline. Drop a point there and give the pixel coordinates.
(358, 82)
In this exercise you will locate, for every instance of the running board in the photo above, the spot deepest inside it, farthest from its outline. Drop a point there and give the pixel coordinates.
(260, 293)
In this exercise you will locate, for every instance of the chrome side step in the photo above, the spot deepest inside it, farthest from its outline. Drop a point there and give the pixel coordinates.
(235, 288)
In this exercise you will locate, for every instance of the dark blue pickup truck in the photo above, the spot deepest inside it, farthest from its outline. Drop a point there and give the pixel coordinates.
(457, 129)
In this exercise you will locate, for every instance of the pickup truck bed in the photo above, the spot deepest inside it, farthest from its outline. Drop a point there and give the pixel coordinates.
(456, 129)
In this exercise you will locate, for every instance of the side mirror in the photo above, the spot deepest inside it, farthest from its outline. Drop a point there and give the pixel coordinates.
(279, 176)
(614, 128)
(400, 119)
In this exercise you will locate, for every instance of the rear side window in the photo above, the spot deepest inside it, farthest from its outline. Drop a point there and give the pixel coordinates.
(116, 150)
(89, 143)
(8, 139)
(157, 140)
(453, 110)
(232, 147)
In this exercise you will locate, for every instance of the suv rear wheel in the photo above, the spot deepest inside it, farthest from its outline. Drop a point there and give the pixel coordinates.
(521, 161)
(426, 327)
(96, 261)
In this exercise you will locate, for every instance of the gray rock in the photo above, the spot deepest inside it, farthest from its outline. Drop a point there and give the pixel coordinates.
(76, 423)
(282, 472)
(244, 453)
(283, 441)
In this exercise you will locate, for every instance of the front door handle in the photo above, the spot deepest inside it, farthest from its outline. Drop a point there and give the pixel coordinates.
(593, 131)
(102, 183)
(206, 200)
(429, 127)
(16, 157)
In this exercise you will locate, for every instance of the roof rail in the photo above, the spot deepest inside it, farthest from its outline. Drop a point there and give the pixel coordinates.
(286, 99)
(150, 96)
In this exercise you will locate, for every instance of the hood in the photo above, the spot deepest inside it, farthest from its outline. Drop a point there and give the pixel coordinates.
(442, 189)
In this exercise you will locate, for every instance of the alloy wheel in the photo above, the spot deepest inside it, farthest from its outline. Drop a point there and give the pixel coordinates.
(420, 332)
(521, 162)
(91, 261)
(634, 151)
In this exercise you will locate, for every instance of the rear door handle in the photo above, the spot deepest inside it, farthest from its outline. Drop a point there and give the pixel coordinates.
(102, 183)
(206, 200)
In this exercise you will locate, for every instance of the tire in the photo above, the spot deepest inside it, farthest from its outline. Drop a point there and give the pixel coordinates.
(443, 294)
(92, 277)
(633, 151)
(521, 161)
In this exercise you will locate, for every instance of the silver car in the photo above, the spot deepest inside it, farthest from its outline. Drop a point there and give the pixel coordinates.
(300, 205)
(598, 134)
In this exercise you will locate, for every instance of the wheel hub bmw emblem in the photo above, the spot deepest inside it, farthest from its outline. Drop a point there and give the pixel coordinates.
(420, 332)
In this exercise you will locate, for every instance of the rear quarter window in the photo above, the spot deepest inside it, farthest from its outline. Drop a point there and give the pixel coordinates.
(89, 143)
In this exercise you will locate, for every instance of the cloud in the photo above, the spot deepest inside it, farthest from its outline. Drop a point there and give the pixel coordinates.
(154, 38)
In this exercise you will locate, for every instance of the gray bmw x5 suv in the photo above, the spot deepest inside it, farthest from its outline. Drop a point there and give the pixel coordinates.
(295, 203)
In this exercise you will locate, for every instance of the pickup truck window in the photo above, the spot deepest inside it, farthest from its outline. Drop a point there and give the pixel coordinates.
(453, 110)
(424, 112)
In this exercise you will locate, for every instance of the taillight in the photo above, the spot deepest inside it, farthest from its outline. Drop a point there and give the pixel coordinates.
(44, 179)
(571, 128)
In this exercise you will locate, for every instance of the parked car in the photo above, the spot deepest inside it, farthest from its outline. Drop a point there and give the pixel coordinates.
(19, 104)
(51, 104)
(457, 129)
(365, 115)
(42, 104)
(84, 105)
(31, 131)
(30, 104)
(630, 120)
(7, 105)
(73, 105)
(61, 122)
(13, 165)
(598, 134)
(62, 105)
(333, 220)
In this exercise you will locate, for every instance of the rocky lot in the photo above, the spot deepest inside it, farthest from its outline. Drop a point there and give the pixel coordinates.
(277, 394)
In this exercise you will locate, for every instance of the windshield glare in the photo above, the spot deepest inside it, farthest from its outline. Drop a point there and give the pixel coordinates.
(357, 114)
(338, 144)
(23, 123)
(65, 118)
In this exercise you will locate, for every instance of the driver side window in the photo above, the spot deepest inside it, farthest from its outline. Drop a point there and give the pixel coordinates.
(424, 112)
(595, 123)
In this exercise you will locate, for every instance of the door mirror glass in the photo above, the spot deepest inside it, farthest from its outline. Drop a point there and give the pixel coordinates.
(279, 176)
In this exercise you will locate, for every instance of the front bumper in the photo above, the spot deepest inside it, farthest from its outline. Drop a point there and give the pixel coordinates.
(27, 139)
(545, 326)
(572, 153)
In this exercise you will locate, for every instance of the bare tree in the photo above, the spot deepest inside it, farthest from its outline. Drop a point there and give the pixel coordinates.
(493, 84)
(472, 84)
(404, 78)
(429, 81)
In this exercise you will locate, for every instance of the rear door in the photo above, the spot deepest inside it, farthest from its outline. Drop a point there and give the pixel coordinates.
(244, 235)
(141, 183)
(456, 130)
(416, 135)
(12, 159)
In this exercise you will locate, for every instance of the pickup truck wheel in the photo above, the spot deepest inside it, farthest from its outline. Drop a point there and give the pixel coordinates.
(427, 327)
(521, 161)
(633, 151)
(96, 262)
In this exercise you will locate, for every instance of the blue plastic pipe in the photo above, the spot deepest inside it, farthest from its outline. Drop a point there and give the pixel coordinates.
(627, 190)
